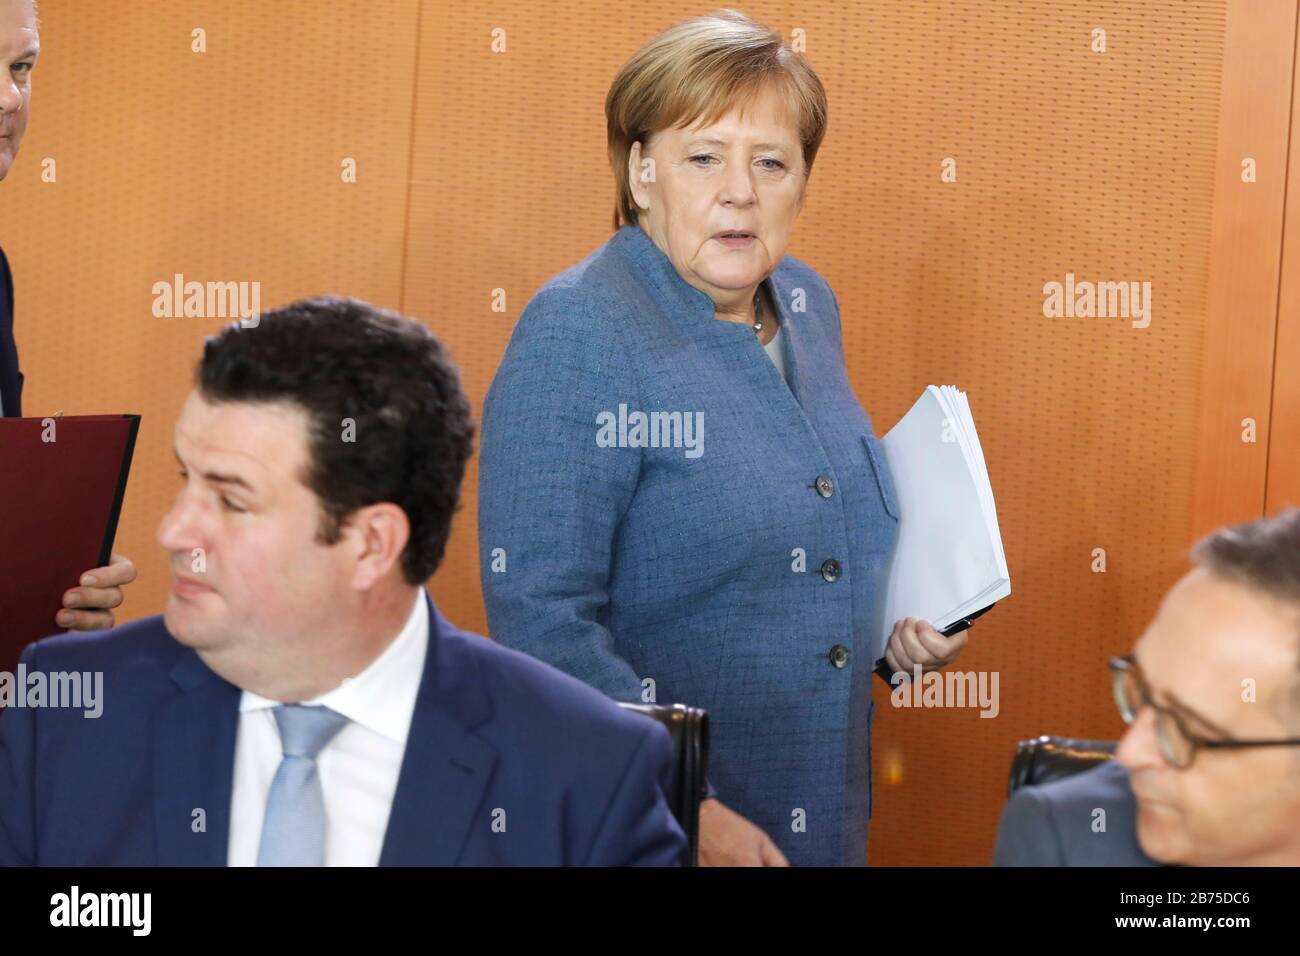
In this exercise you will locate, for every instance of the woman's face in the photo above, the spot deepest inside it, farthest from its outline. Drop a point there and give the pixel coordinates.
(692, 185)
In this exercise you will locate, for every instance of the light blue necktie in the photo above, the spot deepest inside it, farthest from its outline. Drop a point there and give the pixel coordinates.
(293, 832)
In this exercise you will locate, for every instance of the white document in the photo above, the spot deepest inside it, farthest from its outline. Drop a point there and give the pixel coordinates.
(948, 561)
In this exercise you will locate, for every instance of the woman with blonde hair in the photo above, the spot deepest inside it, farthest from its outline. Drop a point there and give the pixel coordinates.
(691, 503)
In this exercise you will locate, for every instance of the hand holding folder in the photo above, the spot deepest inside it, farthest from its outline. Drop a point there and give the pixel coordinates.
(948, 565)
(62, 481)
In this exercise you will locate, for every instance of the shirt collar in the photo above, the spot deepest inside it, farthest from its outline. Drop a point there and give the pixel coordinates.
(382, 697)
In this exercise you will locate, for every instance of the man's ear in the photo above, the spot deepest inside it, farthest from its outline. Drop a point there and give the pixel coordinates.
(379, 533)
(640, 191)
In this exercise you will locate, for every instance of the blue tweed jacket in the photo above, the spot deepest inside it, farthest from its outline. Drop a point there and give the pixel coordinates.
(738, 573)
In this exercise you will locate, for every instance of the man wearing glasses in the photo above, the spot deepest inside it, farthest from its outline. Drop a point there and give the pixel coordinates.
(1208, 773)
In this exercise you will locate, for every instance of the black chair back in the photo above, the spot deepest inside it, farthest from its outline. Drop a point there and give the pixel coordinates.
(689, 729)
(1050, 758)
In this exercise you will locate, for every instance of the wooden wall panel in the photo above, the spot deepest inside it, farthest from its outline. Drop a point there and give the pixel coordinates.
(1237, 380)
(223, 166)
(480, 171)
(1107, 165)
(1283, 482)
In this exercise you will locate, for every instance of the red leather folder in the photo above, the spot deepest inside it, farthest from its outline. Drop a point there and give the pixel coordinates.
(59, 504)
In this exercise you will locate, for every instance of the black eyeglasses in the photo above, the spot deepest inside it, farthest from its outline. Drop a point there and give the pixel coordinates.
(1178, 742)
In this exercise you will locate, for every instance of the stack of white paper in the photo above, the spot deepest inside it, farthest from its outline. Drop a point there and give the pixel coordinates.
(948, 561)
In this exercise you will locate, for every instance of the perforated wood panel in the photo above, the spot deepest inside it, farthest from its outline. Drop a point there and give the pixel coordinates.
(1068, 161)
(480, 171)
(220, 166)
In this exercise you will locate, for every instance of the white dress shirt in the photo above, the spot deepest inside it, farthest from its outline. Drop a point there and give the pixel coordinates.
(358, 768)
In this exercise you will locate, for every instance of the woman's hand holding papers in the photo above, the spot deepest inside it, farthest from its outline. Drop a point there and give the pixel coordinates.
(915, 642)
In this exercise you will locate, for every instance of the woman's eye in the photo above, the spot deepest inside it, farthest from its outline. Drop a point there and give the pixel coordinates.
(26, 67)
(694, 158)
(777, 162)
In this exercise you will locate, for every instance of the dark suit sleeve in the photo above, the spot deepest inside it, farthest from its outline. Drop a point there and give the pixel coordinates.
(638, 829)
(17, 780)
(1027, 834)
(8, 347)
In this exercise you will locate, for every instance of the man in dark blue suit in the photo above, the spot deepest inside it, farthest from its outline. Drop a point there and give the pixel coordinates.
(89, 605)
(1206, 773)
(301, 701)
(1059, 823)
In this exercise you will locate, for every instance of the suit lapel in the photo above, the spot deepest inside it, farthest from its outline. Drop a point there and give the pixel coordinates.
(446, 767)
(194, 752)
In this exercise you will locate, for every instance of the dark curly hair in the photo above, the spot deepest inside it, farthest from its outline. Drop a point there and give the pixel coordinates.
(338, 359)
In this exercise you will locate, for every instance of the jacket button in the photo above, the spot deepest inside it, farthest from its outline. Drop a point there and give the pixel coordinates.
(840, 656)
(831, 570)
(825, 487)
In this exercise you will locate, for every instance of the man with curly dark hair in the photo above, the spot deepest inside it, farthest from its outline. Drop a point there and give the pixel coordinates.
(302, 701)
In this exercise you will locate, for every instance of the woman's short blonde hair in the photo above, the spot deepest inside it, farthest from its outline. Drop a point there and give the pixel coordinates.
(701, 69)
